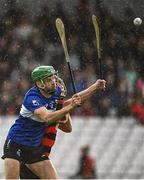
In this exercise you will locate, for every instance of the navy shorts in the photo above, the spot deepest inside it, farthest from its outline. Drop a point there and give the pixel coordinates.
(24, 154)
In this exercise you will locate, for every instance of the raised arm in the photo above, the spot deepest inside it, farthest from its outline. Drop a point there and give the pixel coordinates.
(87, 93)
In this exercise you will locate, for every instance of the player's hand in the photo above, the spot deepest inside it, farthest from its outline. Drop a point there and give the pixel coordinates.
(61, 84)
(76, 100)
(64, 120)
(100, 84)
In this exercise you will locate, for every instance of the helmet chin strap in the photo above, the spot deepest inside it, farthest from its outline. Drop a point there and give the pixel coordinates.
(42, 83)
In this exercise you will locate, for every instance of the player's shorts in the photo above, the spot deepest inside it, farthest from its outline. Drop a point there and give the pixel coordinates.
(26, 173)
(22, 153)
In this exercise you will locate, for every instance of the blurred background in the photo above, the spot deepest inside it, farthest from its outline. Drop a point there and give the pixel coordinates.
(111, 122)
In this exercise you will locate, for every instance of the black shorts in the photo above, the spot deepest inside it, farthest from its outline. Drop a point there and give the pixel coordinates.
(24, 154)
(26, 173)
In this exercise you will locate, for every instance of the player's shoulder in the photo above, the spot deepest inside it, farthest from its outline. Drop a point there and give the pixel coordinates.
(33, 96)
(32, 92)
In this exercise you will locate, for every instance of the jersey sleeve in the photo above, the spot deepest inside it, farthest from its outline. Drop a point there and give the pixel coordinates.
(32, 103)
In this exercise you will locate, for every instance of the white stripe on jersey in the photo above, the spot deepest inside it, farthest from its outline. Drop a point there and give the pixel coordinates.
(28, 114)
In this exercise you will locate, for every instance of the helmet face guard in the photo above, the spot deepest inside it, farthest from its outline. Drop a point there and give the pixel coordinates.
(39, 73)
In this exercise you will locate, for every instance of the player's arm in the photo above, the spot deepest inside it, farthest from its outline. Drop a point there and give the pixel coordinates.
(87, 93)
(67, 125)
(57, 116)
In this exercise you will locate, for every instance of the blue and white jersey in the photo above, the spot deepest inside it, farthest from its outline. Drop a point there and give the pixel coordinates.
(28, 129)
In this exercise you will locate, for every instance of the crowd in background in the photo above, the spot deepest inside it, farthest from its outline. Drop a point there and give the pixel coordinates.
(26, 43)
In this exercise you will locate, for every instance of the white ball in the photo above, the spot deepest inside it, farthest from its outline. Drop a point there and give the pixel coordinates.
(137, 21)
